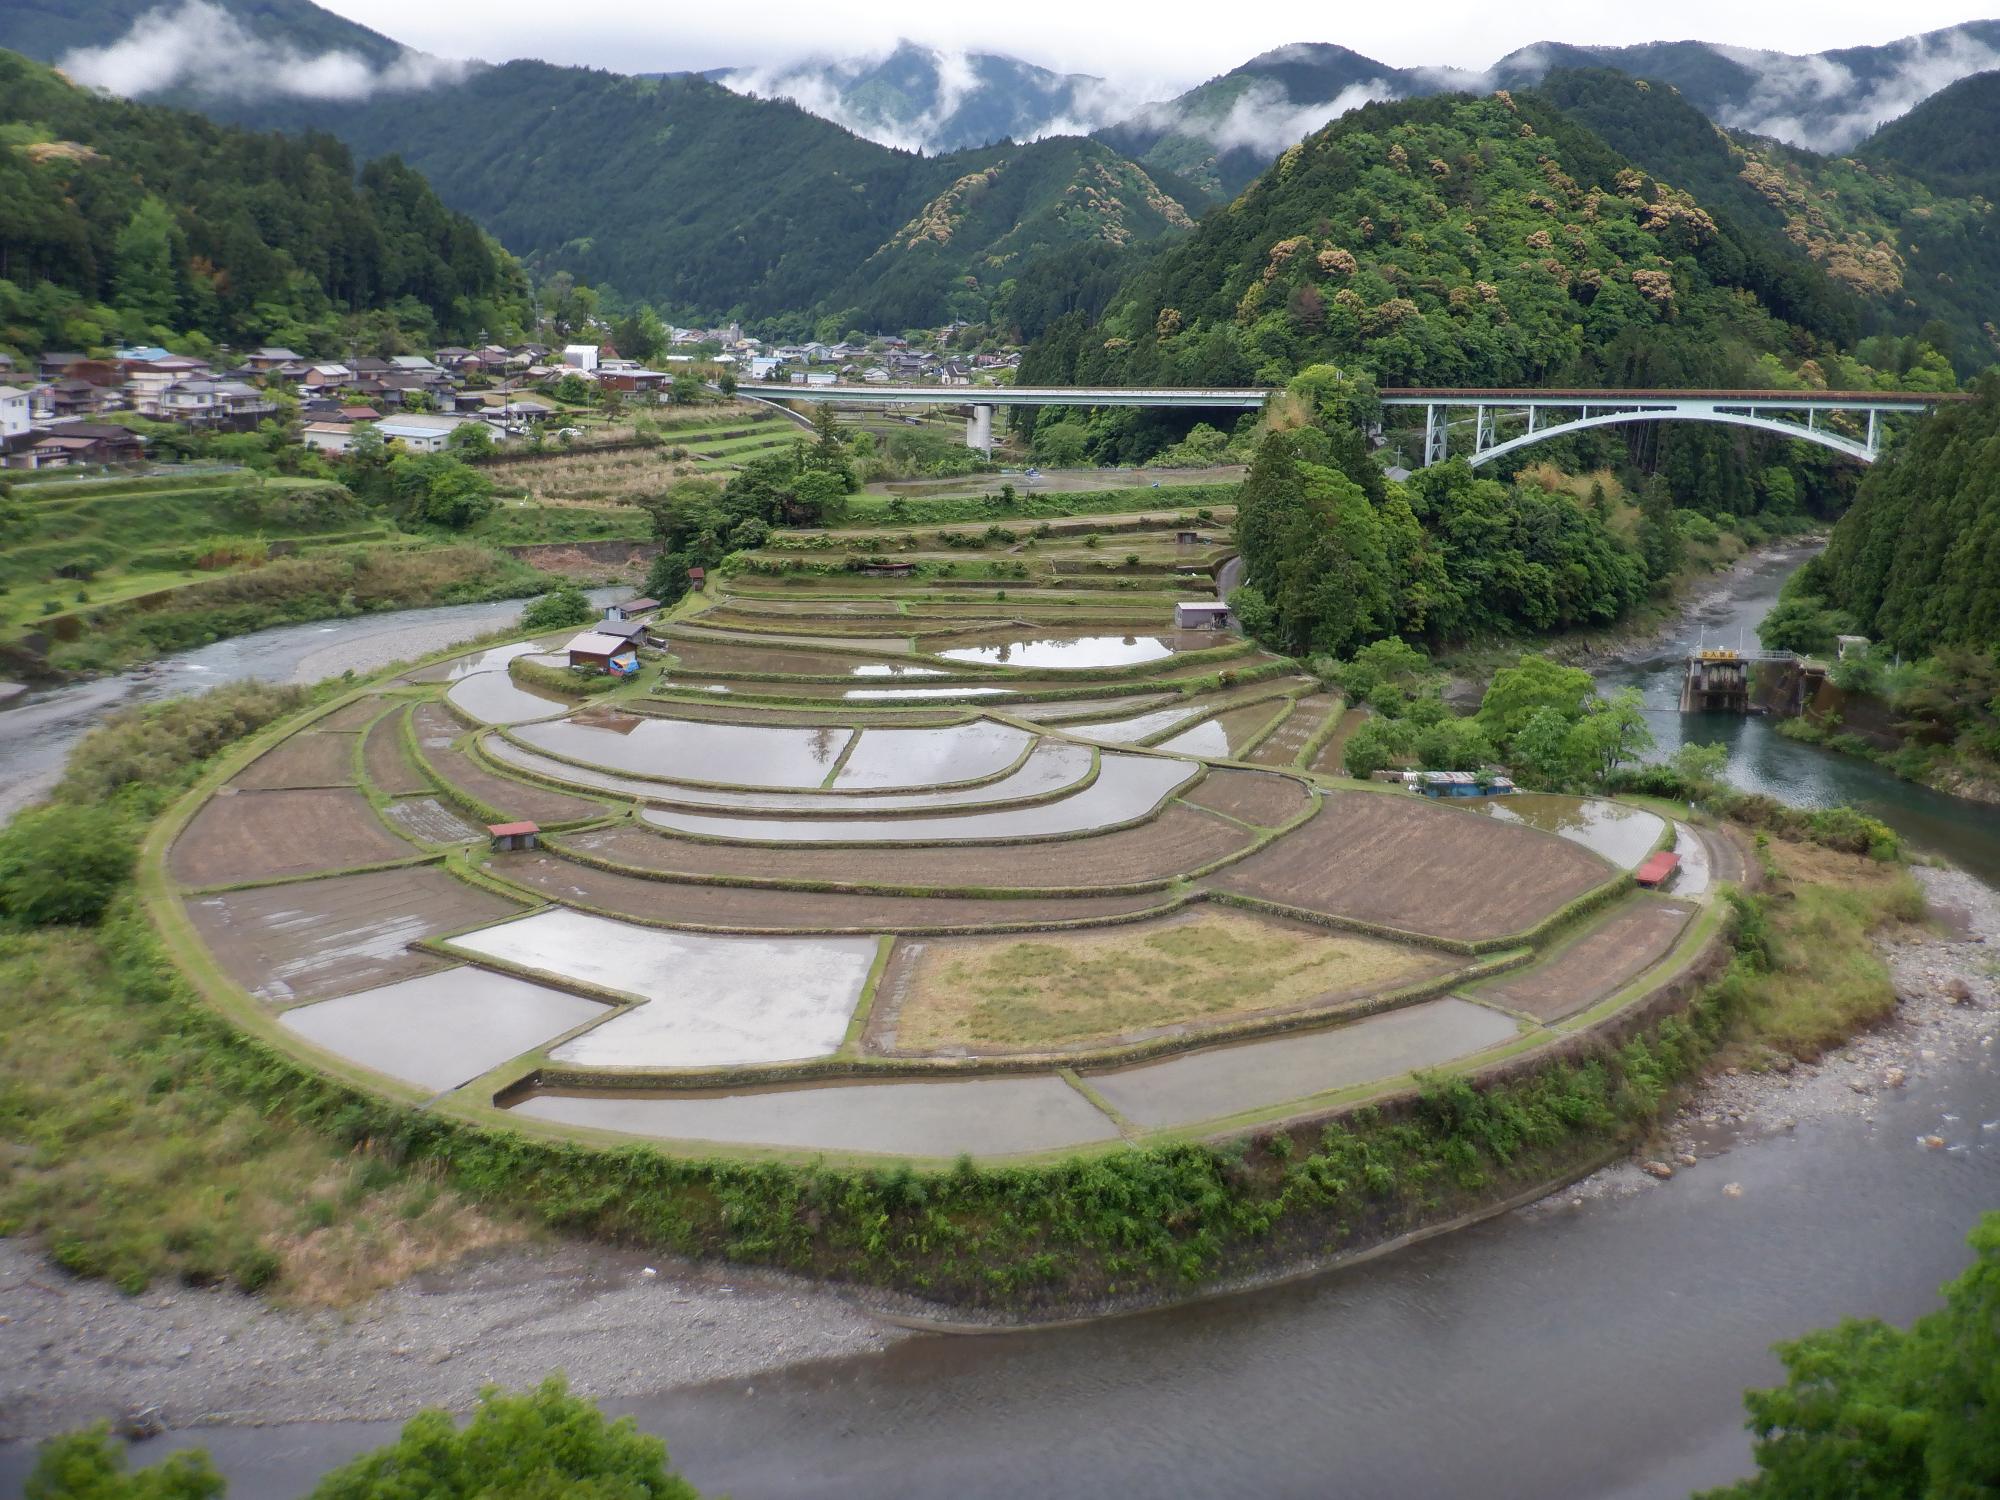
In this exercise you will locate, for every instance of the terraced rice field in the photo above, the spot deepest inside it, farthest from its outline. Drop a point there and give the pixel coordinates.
(1397, 861)
(961, 829)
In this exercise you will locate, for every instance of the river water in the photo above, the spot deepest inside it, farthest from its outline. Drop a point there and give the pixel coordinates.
(1591, 1351)
(37, 735)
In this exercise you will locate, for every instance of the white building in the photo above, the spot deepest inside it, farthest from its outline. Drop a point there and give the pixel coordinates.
(580, 356)
(420, 433)
(13, 411)
(331, 437)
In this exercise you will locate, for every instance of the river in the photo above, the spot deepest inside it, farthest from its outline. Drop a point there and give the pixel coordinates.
(38, 733)
(1598, 1350)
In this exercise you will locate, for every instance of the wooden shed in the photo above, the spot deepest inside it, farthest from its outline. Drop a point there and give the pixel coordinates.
(605, 652)
(509, 836)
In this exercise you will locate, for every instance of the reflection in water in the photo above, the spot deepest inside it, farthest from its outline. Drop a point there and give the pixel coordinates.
(1066, 652)
(1623, 835)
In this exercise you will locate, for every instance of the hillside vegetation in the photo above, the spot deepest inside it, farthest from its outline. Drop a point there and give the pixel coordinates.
(1898, 255)
(709, 203)
(121, 220)
(1913, 560)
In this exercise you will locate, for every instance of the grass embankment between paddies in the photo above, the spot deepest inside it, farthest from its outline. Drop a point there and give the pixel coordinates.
(869, 509)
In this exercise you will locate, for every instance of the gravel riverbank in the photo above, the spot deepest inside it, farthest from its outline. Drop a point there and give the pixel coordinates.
(74, 1351)
(1948, 1009)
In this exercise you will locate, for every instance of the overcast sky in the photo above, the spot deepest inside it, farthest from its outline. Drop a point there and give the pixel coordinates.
(1164, 41)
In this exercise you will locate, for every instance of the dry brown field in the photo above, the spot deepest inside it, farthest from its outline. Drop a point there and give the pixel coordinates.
(387, 760)
(1252, 797)
(763, 910)
(510, 799)
(1596, 965)
(268, 835)
(301, 761)
(1282, 746)
(1179, 840)
(350, 718)
(1395, 860)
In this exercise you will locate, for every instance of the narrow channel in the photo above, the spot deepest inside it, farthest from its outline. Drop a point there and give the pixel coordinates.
(1591, 1351)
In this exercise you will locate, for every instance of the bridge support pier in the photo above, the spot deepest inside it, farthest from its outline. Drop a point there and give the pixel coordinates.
(979, 429)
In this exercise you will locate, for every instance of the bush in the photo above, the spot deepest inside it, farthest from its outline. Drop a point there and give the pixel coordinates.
(63, 864)
(150, 750)
(553, 611)
(546, 1442)
(543, 1443)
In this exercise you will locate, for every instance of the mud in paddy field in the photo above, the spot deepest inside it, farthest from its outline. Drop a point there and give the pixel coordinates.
(1393, 860)
(302, 942)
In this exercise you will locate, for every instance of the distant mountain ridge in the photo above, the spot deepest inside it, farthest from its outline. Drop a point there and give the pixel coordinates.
(929, 99)
(1219, 135)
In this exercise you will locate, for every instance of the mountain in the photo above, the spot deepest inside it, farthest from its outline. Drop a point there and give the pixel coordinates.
(135, 220)
(926, 99)
(1951, 141)
(1454, 241)
(708, 202)
(46, 29)
(199, 52)
(1222, 133)
(1906, 257)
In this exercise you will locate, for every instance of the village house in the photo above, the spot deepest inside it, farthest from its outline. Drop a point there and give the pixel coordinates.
(80, 444)
(13, 412)
(231, 404)
(265, 360)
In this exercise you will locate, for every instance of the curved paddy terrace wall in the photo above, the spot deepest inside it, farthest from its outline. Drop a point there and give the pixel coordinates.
(859, 1000)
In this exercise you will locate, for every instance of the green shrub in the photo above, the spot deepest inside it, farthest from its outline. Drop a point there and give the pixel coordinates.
(553, 611)
(63, 864)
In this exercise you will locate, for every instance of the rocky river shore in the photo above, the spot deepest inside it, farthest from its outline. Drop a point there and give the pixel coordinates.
(74, 1351)
(1947, 1010)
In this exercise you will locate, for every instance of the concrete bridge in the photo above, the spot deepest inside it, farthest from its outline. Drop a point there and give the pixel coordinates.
(1504, 421)
(1499, 421)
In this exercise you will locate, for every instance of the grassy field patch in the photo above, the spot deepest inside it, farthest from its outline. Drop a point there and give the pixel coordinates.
(1075, 987)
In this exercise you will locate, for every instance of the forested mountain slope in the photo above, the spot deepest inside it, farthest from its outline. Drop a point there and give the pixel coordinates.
(179, 224)
(1221, 134)
(1459, 241)
(1951, 140)
(1907, 258)
(1913, 560)
(707, 202)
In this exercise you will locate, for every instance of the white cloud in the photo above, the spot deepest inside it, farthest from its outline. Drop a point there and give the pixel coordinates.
(1792, 94)
(202, 47)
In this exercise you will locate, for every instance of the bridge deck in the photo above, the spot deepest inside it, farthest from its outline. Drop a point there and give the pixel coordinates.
(1469, 395)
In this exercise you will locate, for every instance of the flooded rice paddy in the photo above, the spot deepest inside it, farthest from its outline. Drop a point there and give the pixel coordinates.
(1623, 835)
(1050, 766)
(752, 755)
(495, 698)
(932, 757)
(1066, 653)
(1229, 1080)
(983, 1117)
(1127, 787)
(1226, 736)
(1130, 731)
(708, 1000)
(441, 1030)
(899, 695)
